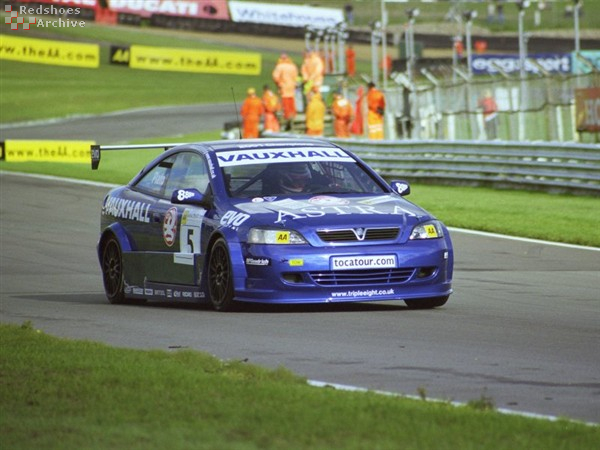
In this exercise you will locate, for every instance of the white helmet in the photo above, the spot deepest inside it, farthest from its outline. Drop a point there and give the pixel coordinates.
(293, 177)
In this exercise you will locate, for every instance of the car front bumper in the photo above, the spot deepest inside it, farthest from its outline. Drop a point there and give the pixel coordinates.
(304, 274)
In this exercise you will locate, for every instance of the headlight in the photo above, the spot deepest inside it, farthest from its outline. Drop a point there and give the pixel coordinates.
(268, 236)
(428, 230)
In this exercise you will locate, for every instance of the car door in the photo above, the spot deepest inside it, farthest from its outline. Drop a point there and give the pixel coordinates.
(168, 248)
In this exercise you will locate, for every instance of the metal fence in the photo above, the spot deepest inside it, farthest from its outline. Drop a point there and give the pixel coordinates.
(543, 166)
(532, 109)
(541, 108)
(552, 167)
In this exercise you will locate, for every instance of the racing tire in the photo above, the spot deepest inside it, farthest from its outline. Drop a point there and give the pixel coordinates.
(112, 271)
(427, 303)
(220, 278)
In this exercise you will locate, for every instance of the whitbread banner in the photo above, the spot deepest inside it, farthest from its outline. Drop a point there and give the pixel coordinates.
(297, 16)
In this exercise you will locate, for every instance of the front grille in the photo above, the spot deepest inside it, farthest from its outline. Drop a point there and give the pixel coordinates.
(354, 234)
(366, 277)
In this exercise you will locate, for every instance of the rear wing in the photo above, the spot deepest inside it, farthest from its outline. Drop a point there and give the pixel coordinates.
(96, 150)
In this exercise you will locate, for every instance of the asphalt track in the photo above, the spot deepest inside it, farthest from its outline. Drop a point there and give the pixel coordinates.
(522, 329)
(123, 126)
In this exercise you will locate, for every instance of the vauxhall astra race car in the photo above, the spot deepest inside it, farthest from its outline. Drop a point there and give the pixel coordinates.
(269, 221)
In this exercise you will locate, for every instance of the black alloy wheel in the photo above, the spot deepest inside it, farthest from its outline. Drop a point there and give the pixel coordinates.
(220, 277)
(112, 271)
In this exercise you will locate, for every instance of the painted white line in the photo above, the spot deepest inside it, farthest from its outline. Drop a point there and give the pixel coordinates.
(452, 229)
(522, 239)
(43, 122)
(74, 117)
(346, 387)
(122, 112)
(60, 179)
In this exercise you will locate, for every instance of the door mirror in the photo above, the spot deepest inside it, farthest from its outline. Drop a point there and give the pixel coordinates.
(401, 187)
(188, 197)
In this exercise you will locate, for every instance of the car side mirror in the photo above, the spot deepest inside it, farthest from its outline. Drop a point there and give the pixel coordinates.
(401, 187)
(189, 197)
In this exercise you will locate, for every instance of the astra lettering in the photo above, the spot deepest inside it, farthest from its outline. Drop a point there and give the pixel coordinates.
(338, 210)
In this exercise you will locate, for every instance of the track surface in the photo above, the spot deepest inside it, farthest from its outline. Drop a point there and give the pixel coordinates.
(122, 126)
(523, 327)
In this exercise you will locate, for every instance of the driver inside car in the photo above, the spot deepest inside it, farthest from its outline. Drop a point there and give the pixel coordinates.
(293, 178)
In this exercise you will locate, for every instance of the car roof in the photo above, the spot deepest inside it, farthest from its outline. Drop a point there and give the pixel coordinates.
(256, 144)
(251, 144)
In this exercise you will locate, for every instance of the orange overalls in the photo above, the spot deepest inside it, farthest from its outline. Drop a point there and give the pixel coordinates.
(315, 116)
(357, 124)
(376, 105)
(313, 70)
(350, 61)
(271, 105)
(252, 111)
(342, 113)
(285, 76)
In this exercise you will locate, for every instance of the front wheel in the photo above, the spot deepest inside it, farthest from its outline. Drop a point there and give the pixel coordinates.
(427, 303)
(112, 271)
(220, 278)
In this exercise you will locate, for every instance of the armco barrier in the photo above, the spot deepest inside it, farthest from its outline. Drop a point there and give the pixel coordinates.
(551, 167)
(543, 166)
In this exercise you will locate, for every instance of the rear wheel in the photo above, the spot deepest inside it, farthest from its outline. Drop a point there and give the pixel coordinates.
(427, 303)
(112, 271)
(220, 278)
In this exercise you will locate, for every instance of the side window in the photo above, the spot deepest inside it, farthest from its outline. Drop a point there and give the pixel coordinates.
(197, 176)
(153, 182)
(189, 171)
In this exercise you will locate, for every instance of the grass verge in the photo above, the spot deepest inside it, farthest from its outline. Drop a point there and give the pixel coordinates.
(537, 215)
(64, 394)
(39, 91)
(56, 91)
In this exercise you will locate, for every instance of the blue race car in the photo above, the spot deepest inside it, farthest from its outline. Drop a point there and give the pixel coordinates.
(269, 221)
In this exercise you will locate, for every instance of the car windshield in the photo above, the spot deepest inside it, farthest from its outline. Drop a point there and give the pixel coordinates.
(299, 178)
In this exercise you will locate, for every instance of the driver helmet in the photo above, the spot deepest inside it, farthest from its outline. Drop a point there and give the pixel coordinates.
(293, 177)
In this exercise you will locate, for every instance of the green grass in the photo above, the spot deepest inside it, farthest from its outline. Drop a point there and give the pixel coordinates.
(553, 17)
(55, 91)
(111, 88)
(64, 394)
(40, 91)
(537, 215)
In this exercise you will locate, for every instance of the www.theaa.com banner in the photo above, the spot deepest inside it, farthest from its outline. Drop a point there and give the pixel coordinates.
(203, 61)
(43, 51)
(47, 151)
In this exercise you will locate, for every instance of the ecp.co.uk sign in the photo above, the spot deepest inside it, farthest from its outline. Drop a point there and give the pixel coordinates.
(493, 64)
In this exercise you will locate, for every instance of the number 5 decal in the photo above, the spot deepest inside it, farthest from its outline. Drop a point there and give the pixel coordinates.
(191, 223)
(192, 236)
